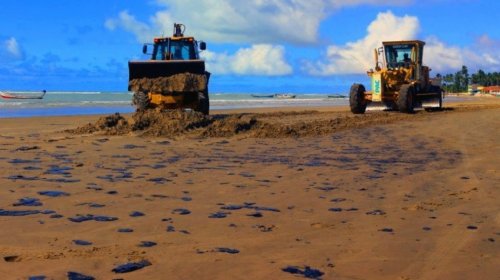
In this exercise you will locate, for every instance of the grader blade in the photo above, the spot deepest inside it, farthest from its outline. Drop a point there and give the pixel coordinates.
(433, 103)
(377, 106)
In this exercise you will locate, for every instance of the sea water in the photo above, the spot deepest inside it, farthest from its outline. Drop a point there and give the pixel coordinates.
(87, 103)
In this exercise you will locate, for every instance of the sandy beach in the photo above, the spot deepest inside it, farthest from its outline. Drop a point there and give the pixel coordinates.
(262, 194)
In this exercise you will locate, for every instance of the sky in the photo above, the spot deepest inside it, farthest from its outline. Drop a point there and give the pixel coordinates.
(254, 46)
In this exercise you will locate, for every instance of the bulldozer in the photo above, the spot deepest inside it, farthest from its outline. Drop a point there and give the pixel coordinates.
(399, 82)
(174, 77)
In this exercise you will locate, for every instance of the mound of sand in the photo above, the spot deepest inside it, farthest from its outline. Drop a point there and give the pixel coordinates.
(169, 124)
(185, 82)
(231, 125)
(110, 125)
(178, 123)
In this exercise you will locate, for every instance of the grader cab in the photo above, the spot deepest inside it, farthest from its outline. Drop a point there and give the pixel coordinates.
(399, 81)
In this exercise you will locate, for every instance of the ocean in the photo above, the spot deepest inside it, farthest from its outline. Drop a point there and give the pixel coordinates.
(65, 103)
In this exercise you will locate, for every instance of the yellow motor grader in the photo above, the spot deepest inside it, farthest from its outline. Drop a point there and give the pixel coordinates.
(173, 77)
(399, 81)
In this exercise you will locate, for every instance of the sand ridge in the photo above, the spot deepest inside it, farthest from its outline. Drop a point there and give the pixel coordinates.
(176, 123)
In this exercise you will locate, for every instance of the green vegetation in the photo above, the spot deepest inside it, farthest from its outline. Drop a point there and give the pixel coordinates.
(460, 81)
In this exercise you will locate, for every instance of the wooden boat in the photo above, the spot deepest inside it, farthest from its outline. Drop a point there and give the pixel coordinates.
(8, 95)
(284, 96)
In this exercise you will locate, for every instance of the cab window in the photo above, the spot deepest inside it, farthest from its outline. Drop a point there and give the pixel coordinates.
(159, 52)
(182, 50)
(398, 55)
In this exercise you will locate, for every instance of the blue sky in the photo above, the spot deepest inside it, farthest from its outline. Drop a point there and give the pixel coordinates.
(301, 46)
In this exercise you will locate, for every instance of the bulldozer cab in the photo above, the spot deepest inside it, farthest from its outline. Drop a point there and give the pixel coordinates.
(174, 76)
(185, 48)
(176, 47)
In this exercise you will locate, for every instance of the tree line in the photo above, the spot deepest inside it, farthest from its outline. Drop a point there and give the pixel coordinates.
(460, 81)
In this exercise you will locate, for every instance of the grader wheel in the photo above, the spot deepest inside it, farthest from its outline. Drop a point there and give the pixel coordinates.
(357, 99)
(406, 99)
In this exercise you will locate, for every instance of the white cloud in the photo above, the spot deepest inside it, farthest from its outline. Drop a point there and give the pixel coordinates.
(12, 48)
(490, 51)
(255, 21)
(128, 22)
(357, 57)
(234, 21)
(338, 4)
(441, 57)
(485, 41)
(260, 59)
(263, 23)
(271, 23)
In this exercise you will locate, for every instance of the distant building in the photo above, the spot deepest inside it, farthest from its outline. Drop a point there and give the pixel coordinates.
(492, 89)
(475, 88)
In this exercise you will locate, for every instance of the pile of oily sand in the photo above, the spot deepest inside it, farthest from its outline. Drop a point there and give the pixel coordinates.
(172, 123)
(185, 82)
(177, 123)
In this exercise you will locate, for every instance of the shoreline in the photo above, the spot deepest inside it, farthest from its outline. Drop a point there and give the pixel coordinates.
(325, 104)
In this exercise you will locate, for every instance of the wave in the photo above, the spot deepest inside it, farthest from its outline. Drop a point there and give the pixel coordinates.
(63, 104)
(270, 100)
(102, 101)
(89, 92)
(76, 92)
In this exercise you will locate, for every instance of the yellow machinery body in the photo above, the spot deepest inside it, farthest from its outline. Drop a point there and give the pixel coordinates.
(174, 101)
(399, 70)
(174, 76)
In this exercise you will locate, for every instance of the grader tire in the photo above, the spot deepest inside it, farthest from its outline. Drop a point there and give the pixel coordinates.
(357, 100)
(141, 101)
(406, 99)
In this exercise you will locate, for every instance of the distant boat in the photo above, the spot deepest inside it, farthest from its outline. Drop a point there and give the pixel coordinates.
(337, 96)
(262, 96)
(284, 96)
(8, 95)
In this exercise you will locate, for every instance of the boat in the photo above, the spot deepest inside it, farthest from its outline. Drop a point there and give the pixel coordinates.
(337, 96)
(8, 95)
(262, 96)
(284, 96)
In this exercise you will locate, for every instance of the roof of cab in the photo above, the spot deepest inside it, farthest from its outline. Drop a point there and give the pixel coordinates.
(403, 42)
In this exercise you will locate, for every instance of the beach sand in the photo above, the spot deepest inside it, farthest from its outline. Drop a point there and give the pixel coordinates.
(378, 196)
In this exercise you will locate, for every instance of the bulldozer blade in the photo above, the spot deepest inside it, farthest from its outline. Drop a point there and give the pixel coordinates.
(152, 69)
